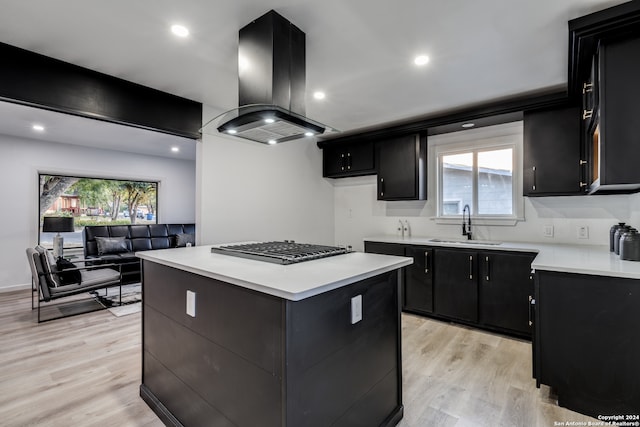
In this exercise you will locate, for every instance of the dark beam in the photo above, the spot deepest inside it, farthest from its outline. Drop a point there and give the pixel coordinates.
(39, 81)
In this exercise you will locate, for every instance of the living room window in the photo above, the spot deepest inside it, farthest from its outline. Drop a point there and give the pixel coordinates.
(94, 201)
(479, 168)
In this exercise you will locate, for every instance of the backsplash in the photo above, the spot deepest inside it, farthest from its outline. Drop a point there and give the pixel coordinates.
(358, 214)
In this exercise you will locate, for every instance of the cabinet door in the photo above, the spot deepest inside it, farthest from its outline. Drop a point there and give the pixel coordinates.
(505, 287)
(418, 282)
(348, 160)
(402, 168)
(551, 162)
(619, 110)
(588, 341)
(456, 284)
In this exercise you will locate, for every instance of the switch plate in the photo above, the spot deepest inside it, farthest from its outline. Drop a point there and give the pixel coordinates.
(583, 232)
(191, 303)
(548, 231)
(356, 309)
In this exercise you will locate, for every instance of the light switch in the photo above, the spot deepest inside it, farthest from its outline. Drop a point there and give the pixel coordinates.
(191, 303)
(356, 309)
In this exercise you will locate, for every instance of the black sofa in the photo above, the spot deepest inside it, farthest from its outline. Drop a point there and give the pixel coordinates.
(136, 238)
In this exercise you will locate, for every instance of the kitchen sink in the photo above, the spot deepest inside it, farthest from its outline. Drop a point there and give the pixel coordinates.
(466, 242)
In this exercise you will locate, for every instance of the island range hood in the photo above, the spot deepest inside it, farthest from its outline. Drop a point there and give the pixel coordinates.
(271, 63)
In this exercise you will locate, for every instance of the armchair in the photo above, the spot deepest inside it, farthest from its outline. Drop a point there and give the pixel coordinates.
(47, 284)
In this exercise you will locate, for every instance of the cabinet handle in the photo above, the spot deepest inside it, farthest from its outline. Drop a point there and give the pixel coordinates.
(532, 303)
(586, 114)
(533, 187)
(583, 184)
(587, 87)
(486, 260)
(470, 267)
(342, 161)
(349, 161)
(426, 262)
(381, 187)
(583, 162)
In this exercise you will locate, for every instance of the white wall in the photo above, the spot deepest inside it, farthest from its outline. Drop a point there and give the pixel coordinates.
(252, 191)
(22, 159)
(359, 214)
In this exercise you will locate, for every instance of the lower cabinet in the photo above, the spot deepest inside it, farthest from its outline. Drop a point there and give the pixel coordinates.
(456, 284)
(485, 288)
(586, 342)
(418, 280)
(505, 286)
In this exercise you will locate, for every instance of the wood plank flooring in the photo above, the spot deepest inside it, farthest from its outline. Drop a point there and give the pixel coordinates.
(85, 371)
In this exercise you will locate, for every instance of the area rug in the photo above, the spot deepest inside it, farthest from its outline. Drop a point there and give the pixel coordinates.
(110, 297)
(125, 310)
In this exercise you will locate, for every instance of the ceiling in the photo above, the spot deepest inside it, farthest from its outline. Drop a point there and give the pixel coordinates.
(360, 52)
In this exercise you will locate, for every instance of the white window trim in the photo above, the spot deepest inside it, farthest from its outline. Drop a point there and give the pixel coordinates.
(508, 135)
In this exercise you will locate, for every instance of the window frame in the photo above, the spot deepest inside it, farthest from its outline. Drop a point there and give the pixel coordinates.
(509, 135)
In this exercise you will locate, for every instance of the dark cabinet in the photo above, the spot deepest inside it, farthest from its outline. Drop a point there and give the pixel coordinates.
(456, 284)
(613, 140)
(552, 163)
(505, 287)
(418, 281)
(586, 344)
(356, 159)
(384, 248)
(402, 168)
(486, 288)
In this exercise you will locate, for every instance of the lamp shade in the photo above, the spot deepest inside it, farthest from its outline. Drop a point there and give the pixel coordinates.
(57, 224)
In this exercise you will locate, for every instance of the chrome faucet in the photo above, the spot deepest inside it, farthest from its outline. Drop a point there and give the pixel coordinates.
(466, 227)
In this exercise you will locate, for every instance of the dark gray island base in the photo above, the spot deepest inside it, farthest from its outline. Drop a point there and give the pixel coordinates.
(252, 359)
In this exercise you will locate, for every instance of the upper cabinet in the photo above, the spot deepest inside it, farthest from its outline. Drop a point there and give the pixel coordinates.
(402, 168)
(355, 159)
(604, 62)
(610, 126)
(552, 163)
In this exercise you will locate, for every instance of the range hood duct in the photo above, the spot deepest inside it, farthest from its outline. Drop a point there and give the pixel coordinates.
(272, 74)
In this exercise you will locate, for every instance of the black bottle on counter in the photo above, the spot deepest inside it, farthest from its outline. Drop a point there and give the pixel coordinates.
(616, 237)
(612, 231)
(630, 245)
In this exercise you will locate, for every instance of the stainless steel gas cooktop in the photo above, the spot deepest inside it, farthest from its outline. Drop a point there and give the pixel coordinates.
(286, 252)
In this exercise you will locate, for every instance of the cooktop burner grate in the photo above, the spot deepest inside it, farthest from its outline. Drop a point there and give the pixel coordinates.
(286, 252)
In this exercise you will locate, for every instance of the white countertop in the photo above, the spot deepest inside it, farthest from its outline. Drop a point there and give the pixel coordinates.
(293, 282)
(581, 259)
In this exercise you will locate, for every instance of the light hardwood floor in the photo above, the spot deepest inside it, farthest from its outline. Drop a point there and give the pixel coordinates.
(85, 371)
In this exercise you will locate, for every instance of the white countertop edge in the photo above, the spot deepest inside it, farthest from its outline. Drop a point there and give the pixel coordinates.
(593, 260)
(297, 296)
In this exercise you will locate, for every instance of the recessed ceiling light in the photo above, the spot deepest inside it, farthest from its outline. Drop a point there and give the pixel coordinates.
(468, 125)
(180, 30)
(232, 131)
(269, 120)
(175, 149)
(38, 128)
(319, 95)
(308, 134)
(421, 60)
(272, 142)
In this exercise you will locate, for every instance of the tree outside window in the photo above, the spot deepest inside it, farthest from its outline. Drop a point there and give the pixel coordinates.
(95, 201)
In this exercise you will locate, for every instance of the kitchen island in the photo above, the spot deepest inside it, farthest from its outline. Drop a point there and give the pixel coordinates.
(235, 342)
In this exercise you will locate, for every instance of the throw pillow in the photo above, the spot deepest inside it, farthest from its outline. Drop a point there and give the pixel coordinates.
(183, 238)
(49, 266)
(111, 245)
(68, 277)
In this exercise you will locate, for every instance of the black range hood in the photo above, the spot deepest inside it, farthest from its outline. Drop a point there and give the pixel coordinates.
(272, 74)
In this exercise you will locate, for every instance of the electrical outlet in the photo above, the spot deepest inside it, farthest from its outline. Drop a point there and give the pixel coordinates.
(583, 232)
(191, 303)
(356, 309)
(548, 231)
